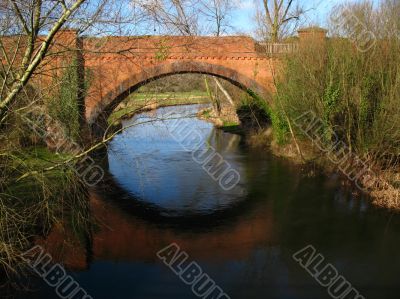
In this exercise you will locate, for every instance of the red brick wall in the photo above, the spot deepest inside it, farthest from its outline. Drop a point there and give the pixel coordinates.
(119, 63)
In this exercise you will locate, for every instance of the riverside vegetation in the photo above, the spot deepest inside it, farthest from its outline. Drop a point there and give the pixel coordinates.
(354, 92)
(52, 192)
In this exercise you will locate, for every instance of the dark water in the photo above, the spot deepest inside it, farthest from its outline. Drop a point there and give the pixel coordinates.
(242, 238)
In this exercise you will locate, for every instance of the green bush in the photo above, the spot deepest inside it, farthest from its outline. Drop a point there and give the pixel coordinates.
(354, 93)
(64, 108)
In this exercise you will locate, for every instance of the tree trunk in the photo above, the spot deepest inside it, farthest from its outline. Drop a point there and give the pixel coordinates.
(224, 91)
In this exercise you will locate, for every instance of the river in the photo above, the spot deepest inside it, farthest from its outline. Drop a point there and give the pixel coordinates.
(242, 232)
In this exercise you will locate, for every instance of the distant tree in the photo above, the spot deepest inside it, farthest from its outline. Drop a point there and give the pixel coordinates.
(183, 17)
(277, 18)
(218, 14)
(172, 16)
(390, 12)
(188, 17)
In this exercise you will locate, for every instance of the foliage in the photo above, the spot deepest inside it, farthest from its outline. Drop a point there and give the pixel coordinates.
(64, 107)
(355, 93)
(163, 51)
(31, 206)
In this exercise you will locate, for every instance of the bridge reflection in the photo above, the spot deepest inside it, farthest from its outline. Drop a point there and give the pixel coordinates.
(116, 235)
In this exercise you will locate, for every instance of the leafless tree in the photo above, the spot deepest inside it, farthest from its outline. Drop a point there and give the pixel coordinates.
(171, 16)
(390, 10)
(28, 29)
(277, 18)
(30, 18)
(182, 17)
(217, 13)
(351, 19)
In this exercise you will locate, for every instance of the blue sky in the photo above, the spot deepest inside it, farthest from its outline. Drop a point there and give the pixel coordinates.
(243, 17)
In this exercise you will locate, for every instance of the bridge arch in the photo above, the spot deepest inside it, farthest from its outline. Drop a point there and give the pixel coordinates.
(97, 117)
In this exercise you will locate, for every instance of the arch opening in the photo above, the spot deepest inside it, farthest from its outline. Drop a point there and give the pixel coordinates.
(100, 114)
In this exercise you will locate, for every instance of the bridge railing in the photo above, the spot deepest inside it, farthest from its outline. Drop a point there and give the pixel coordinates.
(277, 48)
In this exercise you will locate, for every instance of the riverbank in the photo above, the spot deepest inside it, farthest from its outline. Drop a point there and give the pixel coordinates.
(227, 120)
(29, 207)
(267, 128)
(338, 107)
(141, 102)
(381, 186)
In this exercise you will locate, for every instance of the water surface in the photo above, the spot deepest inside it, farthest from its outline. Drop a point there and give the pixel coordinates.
(243, 238)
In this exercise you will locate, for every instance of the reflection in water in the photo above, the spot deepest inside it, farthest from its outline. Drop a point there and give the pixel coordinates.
(247, 249)
(151, 162)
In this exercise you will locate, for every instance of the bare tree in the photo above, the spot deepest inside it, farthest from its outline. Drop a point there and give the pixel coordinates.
(172, 16)
(183, 17)
(218, 14)
(28, 30)
(278, 18)
(353, 18)
(30, 19)
(188, 17)
(390, 11)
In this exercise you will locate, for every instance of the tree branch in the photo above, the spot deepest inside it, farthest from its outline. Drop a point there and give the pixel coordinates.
(20, 17)
(17, 87)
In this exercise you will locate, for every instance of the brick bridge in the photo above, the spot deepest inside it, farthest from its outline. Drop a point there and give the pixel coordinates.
(119, 65)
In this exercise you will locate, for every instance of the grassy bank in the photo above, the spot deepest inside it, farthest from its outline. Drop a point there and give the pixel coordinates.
(30, 206)
(149, 101)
